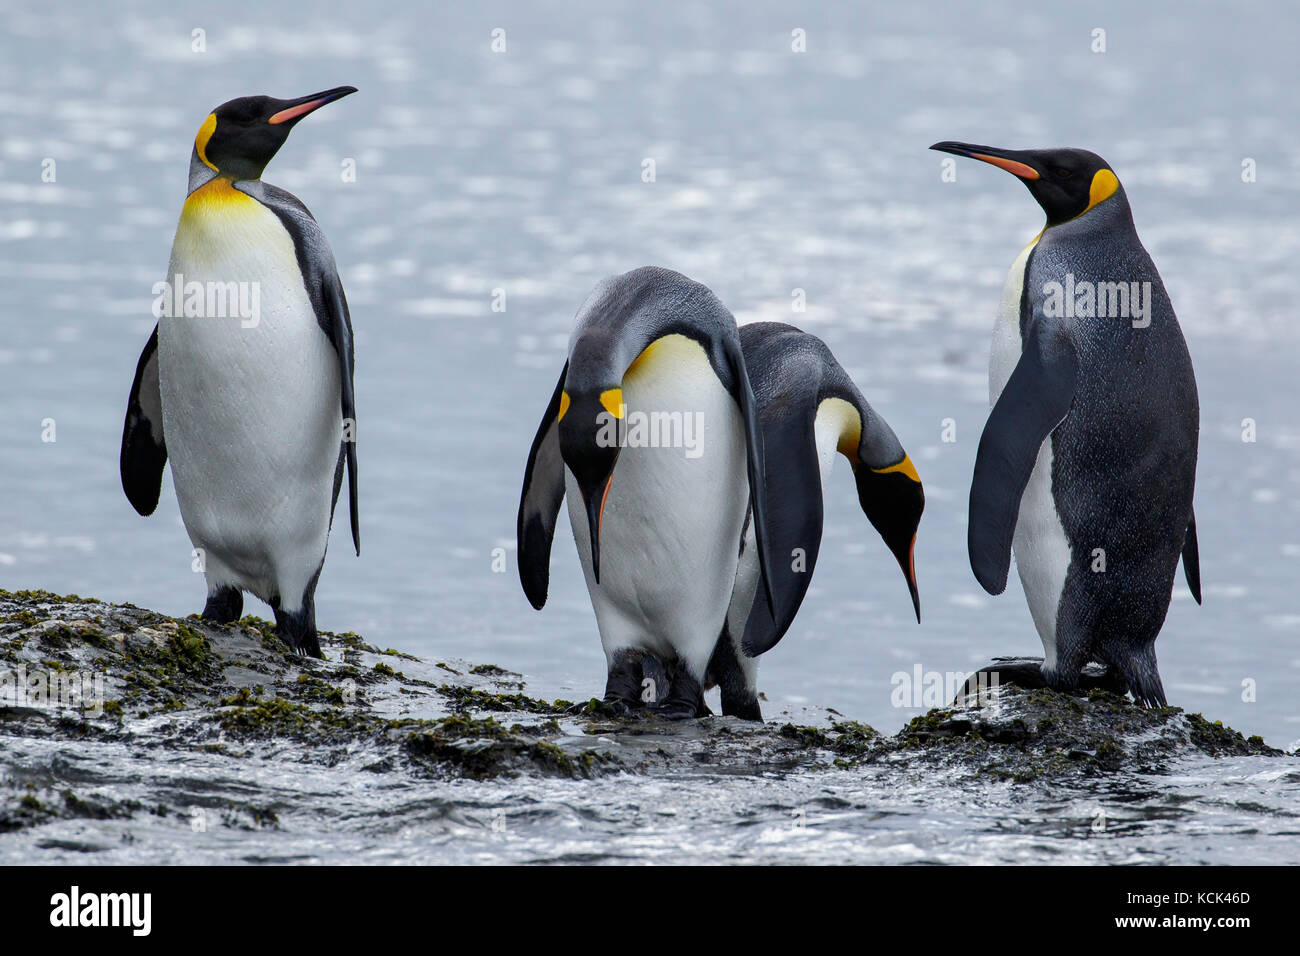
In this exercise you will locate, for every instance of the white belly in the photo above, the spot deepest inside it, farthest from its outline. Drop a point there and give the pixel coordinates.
(1041, 548)
(671, 531)
(251, 415)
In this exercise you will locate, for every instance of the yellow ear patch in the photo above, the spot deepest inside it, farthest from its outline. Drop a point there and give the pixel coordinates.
(905, 466)
(612, 399)
(1104, 184)
(564, 406)
(201, 141)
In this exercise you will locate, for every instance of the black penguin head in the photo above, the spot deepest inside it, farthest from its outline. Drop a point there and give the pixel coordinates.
(892, 498)
(1066, 182)
(590, 423)
(239, 137)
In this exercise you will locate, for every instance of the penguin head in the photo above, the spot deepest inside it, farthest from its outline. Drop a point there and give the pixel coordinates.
(589, 422)
(239, 137)
(893, 499)
(1066, 182)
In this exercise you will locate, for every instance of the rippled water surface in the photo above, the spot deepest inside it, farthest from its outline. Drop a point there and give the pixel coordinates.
(775, 171)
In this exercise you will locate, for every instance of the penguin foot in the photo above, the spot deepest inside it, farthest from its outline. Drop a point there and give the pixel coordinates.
(299, 632)
(224, 605)
(746, 708)
(676, 710)
(615, 709)
(618, 707)
(623, 684)
(303, 646)
(1027, 672)
(685, 700)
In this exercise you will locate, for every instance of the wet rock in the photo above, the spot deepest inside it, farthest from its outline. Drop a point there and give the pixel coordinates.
(165, 688)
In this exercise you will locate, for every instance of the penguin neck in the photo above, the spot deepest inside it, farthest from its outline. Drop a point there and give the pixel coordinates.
(201, 174)
(1111, 214)
(216, 205)
(601, 355)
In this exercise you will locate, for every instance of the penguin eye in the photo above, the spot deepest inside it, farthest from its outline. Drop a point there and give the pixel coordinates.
(1061, 173)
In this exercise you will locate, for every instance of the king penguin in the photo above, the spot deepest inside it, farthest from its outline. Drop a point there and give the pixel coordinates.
(808, 409)
(652, 434)
(255, 411)
(1087, 462)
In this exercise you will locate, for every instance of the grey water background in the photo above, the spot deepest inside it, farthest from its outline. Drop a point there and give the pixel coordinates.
(776, 171)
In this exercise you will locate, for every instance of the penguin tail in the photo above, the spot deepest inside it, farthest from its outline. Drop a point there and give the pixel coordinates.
(1143, 678)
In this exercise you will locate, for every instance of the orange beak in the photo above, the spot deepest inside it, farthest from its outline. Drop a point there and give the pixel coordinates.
(313, 101)
(1009, 159)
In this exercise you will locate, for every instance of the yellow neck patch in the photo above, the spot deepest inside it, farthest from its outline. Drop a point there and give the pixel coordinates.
(201, 141)
(564, 406)
(666, 352)
(650, 352)
(1104, 184)
(214, 197)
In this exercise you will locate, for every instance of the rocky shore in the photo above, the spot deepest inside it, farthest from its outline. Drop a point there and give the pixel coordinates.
(107, 677)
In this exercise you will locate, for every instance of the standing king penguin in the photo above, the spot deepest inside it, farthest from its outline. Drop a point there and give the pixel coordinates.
(256, 414)
(1087, 463)
(808, 409)
(657, 523)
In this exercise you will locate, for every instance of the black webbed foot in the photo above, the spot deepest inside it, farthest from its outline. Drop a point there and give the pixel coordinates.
(685, 699)
(1027, 672)
(299, 632)
(224, 605)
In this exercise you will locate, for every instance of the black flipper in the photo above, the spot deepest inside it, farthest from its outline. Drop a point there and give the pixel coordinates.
(758, 497)
(1192, 560)
(540, 500)
(144, 452)
(1035, 400)
(340, 336)
(794, 522)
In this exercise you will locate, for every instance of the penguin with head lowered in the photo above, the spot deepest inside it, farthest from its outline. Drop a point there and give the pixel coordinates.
(808, 410)
(255, 411)
(1087, 462)
(652, 433)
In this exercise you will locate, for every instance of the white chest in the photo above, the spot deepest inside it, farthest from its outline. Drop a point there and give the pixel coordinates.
(671, 532)
(1006, 330)
(250, 391)
(247, 356)
(1041, 547)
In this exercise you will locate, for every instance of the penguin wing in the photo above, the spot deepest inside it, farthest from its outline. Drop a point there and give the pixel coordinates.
(1036, 399)
(144, 453)
(792, 524)
(756, 468)
(340, 336)
(1192, 560)
(539, 503)
(325, 290)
